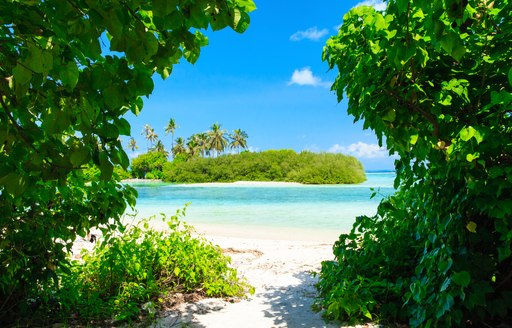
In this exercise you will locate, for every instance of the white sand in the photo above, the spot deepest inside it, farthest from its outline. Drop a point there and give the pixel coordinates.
(244, 184)
(280, 270)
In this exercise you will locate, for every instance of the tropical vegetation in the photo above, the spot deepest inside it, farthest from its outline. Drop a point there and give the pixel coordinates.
(210, 143)
(272, 165)
(433, 79)
(70, 71)
(150, 165)
(138, 272)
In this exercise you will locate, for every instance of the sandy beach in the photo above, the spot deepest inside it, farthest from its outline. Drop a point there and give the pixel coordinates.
(279, 264)
(280, 271)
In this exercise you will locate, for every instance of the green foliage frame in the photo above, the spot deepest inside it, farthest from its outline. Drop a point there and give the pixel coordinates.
(433, 79)
(70, 70)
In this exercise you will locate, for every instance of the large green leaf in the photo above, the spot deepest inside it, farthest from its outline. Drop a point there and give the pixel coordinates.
(462, 278)
(69, 75)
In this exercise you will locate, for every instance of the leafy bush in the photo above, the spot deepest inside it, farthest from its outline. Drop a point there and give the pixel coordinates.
(149, 165)
(272, 165)
(438, 254)
(373, 267)
(127, 270)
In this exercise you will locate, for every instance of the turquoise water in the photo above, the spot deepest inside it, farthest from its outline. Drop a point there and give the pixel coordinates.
(299, 206)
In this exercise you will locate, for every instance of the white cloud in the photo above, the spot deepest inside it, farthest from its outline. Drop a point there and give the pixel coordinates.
(377, 4)
(304, 76)
(361, 150)
(312, 33)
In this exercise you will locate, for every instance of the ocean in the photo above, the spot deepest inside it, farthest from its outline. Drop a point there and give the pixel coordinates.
(307, 207)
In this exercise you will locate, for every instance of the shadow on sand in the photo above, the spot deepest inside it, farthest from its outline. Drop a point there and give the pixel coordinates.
(290, 306)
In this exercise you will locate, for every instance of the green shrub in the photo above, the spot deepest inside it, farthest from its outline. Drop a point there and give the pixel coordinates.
(141, 267)
(373, 267)
(439, 92)
(149, 165)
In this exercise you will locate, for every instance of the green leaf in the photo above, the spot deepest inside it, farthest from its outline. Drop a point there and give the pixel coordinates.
(22, 75)
(390, 116)
(462, 278)
(163, 8)
(113, 97)
(366, 313)
(69, 75)
(106, 166)
(471, 226)
(452, 44)
(413, 139)
(240, 21)
(14, 183)
(402, 5)
(144, 84)
(510, 76)
(445, 265)
(472, 157)
(445, 284)
(247, 5)
(79, 157)
(467, 133)
(123, 126)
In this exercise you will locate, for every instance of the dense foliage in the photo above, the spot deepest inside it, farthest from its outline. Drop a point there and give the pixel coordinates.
(137, 272)
(271, 165)
(70, 70)
(150, 165)
(433, 78)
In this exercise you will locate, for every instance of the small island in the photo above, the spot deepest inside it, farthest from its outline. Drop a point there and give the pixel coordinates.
(271, 165)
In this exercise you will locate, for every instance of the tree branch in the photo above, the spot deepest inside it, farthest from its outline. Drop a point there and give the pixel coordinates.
(415, 108)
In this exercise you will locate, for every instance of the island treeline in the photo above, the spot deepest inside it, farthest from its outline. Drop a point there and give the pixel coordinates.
(271, 165)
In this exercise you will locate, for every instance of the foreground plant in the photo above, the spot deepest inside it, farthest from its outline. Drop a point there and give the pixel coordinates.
(434, 79)
(136, 272)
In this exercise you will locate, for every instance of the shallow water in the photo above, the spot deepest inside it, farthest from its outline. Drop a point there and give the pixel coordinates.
(323, 207)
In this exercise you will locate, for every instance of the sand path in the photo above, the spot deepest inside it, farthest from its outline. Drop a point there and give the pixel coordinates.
(280, 271)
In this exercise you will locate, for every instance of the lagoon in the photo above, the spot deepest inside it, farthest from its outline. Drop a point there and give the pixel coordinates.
(309, 208)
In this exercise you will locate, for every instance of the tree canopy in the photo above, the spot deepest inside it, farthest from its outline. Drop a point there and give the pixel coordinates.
(433, 79)
(70, 71)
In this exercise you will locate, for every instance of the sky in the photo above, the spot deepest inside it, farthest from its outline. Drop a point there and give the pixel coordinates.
(270, 82)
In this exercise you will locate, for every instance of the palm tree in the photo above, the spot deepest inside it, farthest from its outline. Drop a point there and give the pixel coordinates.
(159, 147)
(152, 137)
(217, 139)
(132, 144)
(201, 139)
(179, 147)
(238, 140)
(170, 128)
(148, 131)
(192, 147)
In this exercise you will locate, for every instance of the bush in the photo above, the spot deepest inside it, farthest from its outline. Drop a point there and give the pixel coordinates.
(132, 273)
(439, 252)
(150, 165)
(127, 270)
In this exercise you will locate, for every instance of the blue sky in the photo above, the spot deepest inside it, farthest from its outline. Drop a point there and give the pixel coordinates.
(270, 82)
